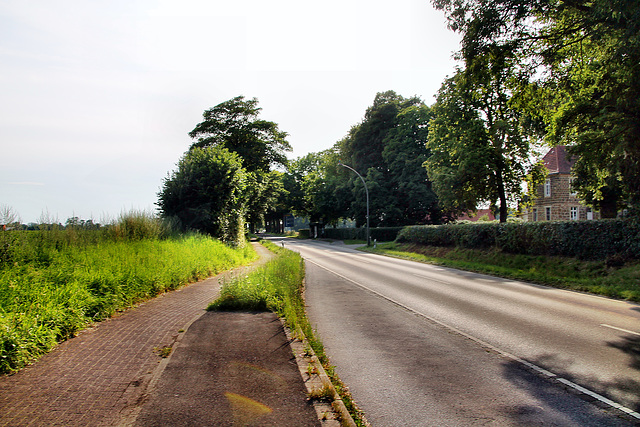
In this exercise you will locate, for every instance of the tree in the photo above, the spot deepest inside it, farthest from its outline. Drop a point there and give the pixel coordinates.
(363, 147)
(266, 192)
(385, 149)
(404, 153)
(315, 189)
(207, 193)
(584, 55)
(235, 125)
(479, 149)
(8, 216)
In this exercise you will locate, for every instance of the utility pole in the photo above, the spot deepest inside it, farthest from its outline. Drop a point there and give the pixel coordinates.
(366, 191)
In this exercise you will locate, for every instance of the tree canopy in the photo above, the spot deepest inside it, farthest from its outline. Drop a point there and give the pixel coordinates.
(236, 126)
(387, 148)
(582, 59)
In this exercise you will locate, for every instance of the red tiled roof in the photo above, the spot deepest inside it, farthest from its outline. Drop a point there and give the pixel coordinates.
(478, 214)
(557, 160)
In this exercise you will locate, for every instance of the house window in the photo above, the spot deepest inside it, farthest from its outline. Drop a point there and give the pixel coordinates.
(589, 214)
(572, 189)
(535, 214)
(574, 213)
(547, 188)
(547, 213)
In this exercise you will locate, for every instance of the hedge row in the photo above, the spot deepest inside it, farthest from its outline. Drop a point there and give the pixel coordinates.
(591, 240)
(382, 234)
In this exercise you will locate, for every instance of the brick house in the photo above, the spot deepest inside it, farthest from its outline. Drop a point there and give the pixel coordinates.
(556, 200)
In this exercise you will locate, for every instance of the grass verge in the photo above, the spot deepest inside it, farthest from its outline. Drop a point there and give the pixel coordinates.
(278, 286)
(597, 277)
(54, 283)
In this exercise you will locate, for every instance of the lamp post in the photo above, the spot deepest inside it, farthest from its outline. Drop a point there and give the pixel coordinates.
(367, 192)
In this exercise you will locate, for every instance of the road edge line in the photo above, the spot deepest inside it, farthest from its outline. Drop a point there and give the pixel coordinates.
(534, 367)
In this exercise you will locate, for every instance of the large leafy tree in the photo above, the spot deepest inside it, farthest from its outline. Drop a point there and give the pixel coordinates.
(366, 141)
(479, 148)
(387, 148)
(236, 126)
(411, 194)
(207, 193)
(584, 57)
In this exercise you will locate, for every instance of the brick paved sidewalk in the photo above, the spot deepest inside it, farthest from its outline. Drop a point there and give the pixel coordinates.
(101, 377)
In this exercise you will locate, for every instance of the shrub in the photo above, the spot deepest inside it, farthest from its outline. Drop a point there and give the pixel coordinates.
(594, 240)
(304, 233)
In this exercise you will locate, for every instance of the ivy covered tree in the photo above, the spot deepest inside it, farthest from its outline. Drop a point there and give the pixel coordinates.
(208, 193)
(265, 192)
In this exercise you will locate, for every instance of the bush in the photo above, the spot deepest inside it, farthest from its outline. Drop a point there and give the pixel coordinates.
(304, 233)
(592, 240)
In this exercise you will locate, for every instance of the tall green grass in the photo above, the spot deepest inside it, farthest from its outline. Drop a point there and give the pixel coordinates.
(275, 286)
(278, 286)
(54, 282)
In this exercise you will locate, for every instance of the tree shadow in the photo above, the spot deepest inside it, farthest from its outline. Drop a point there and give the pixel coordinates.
(629, 345)
(561, 404)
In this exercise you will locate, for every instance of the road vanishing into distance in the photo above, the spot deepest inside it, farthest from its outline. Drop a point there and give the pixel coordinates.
(422, 345)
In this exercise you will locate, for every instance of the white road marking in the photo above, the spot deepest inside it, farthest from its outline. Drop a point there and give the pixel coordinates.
(619, 329)
(482, 343)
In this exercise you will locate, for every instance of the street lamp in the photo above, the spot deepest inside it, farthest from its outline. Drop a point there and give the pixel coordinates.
(366, 191)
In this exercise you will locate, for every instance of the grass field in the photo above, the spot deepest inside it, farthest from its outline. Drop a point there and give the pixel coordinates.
(55, 282)
(614, 281)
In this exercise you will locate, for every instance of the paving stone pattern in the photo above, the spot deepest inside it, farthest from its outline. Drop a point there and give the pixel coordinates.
(102, 376)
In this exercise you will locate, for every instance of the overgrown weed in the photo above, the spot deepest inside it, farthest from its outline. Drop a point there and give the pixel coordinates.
(278, 286)
(54, 281)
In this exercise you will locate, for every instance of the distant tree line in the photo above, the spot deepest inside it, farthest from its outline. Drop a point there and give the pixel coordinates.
(533, 73)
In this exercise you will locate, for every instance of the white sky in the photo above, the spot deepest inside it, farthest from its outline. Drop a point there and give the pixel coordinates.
(97, 97)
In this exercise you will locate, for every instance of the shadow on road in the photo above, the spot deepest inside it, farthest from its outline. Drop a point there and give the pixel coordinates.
(572, 408)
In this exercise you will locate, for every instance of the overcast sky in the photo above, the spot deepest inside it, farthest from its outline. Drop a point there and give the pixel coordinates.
(97, 97)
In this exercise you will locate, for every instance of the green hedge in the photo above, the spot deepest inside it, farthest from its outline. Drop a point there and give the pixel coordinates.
(580, 239)
(304, 233)
(382, 234)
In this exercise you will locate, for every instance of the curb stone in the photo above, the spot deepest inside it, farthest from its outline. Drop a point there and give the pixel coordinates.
(334, 414)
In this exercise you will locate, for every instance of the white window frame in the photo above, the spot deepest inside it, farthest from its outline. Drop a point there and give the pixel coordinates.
(574, 213)
(547, 188)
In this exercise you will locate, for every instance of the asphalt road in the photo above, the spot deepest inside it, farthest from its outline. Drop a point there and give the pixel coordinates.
(426, 345)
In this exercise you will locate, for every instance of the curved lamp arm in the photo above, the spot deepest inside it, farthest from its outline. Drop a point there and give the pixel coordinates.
(366, 189)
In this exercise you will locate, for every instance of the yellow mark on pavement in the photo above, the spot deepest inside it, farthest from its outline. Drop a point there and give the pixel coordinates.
(246, 410)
